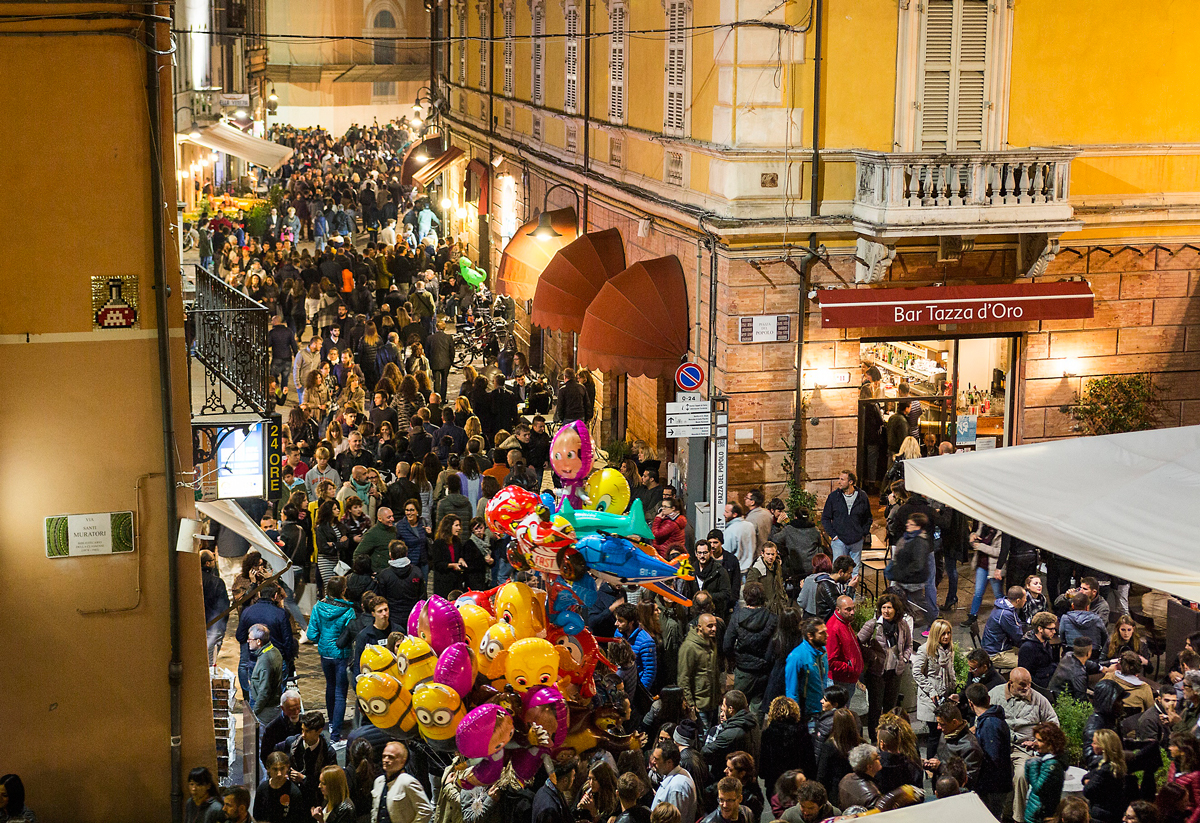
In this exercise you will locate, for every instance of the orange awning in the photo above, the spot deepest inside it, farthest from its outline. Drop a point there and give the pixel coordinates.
(638, 322)
(525, 257)
(424, 175)
(428, 148)
(574, 277)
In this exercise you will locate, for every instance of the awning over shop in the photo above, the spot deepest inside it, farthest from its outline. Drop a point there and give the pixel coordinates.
(574, 277)
(638, 322)
(1121, 503)
(989, 303)
(232, 516)
(419, 153)
(226, 138)
(424, 175)
(525, 257)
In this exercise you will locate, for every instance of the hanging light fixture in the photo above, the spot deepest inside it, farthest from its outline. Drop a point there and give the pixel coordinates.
(545, 230)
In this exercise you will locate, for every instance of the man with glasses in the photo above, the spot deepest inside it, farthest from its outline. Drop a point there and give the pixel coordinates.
(1035, 653)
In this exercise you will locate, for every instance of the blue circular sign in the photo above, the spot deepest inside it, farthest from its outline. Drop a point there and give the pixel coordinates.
(689, 376)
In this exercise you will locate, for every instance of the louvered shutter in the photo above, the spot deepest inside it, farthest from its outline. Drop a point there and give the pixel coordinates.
(676, 68)
(539, 55)
(462, 45)
(485, 45)
(571, 88)
(510, 31)
(954, 80)
(616, 64)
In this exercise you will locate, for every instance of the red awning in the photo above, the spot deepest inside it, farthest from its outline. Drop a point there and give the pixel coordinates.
(428, 148)
(525, 257)
(481, 171)
(574, 277)
(1001, 303)
(424, 175)
(638, 322)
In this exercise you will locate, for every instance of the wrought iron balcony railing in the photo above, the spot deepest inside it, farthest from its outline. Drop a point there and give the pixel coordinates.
(231, 343)
(906, 194)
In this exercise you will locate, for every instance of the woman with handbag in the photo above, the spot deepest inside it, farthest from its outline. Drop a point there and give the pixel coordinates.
(933, 671)
(886, 641)
(329, 619)
(332, 541)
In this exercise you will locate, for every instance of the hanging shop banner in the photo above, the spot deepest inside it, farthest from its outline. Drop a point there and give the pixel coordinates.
(1000, 303)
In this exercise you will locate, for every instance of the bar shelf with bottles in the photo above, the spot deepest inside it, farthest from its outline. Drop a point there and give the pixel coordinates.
(913, 362)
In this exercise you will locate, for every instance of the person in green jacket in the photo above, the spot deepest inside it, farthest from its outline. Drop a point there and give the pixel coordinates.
(698, 674)
(1045, 773)
(266, 681)
(329, 619)
(375, 540)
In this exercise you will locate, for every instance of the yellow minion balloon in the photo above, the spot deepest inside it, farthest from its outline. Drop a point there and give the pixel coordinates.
(521, 607)
(376, 658)
(476, 620)
(493, 652)
(607, 491)
(385, 701)
(532, 662)
(416, 661)
(439, 710)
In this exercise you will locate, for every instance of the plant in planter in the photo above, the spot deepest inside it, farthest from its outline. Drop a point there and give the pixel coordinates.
(798, 498)
(1116, 403)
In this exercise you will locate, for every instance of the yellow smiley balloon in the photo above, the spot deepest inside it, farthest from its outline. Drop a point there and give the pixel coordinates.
(532, 662)
(607, 491)
(520, 606)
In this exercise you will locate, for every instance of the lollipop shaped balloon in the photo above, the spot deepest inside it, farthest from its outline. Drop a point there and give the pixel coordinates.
(571, 458)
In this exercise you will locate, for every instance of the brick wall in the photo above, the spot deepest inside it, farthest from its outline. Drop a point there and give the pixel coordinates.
(1147, 319)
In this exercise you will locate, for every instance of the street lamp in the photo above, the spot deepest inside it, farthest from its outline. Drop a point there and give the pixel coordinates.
(545, 230)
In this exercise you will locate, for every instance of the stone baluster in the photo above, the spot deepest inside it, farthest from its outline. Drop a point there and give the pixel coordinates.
(1039, 183)
(1010, 184)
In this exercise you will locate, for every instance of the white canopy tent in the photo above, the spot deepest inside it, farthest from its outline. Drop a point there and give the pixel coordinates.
(955, 809)
(229, 514)
(1128, 504)
(226, 138)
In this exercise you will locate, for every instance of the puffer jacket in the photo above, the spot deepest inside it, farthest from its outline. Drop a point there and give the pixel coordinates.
(737, 733)
(1045, 774)
(935, 680)
(1003, 629)
(646, 651)
(798, 541)
(828, 591)
(748, 638)
(875, 645)
(773, 583)
(910, 562)
(328, 618)
(845, 655)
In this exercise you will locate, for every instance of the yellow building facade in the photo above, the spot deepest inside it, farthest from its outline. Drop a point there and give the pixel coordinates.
(952, 143)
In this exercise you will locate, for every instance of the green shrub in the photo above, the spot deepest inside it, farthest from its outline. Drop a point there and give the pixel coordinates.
(256, 219)
(1117, 403)
(1072, 715)
(961, 673)
(798, 498)
(616, 451)
(864, 610)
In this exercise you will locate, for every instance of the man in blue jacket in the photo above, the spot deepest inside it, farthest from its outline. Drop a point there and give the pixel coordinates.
(267, 610)
(1003, 631)
(807, 669)
(640, 641)
(846, 518)
(991, 730)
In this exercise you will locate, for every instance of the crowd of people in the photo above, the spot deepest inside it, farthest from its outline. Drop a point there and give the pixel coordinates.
(785, 691)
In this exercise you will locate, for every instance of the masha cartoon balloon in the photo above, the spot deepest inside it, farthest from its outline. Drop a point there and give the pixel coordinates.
(571, 458)
(481, 737)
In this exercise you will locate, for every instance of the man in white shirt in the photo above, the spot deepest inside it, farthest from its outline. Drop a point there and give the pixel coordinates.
(675, 785)
(397, 797)
(741, 538)
(387, 235)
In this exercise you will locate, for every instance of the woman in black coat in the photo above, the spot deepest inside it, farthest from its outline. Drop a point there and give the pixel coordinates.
(785, 742)
(448, 557)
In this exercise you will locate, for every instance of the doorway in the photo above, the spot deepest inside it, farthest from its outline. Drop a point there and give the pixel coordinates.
(958, 390)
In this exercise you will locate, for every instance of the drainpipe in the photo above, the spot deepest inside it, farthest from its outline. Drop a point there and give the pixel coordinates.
(814, 211)
(158, 216)
(587, 110)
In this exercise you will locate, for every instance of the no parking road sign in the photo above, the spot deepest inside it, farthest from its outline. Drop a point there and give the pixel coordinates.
(689, 376)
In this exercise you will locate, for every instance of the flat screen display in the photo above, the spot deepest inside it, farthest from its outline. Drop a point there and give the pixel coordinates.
(240, 462)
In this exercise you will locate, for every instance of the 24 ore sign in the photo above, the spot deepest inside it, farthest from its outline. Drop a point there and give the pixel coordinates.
(850, 308)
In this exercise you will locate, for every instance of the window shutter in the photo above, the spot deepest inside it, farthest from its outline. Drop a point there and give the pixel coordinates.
(616, 64)
(954, 82)
(485, 39)
(571, 88)
(510, 31)
(539, 55)
(462, 45)
(676, 69)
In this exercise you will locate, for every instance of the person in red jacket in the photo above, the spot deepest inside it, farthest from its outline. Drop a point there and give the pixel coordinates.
(844, 653)
(670, 528)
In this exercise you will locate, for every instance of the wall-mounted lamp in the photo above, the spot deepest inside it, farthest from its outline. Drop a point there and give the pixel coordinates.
(1071, 367)
(497, 160)
(822, 378)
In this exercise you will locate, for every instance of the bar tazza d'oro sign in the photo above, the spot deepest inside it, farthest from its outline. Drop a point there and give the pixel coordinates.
(999, 303)
(78, 535)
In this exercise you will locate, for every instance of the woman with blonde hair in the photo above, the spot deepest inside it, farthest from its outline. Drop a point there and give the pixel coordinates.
(1125, 638)
(933, 671)
(468, 383)
(462, 410)
(1104, 786)
(338, 807)
(333, 433)
(473, 427)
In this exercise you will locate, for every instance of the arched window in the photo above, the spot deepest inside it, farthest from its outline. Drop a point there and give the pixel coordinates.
(384, 25)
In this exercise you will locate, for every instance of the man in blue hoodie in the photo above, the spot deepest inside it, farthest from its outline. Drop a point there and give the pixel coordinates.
(991, 730)
(807, 670)
(1003, 631)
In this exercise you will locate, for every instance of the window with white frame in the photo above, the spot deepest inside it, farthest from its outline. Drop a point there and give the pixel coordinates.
(510, 32)
(673, 168)
(537, 126)
(539, 54)
(572, 134)
(618, 50)
(954, 79)
(571, 86)
(616, 152)
(675, 105)
(462, 44)
(485, 43)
